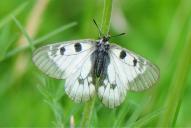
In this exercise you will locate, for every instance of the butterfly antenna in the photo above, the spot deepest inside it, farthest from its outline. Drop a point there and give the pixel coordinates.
(100, 33)
(118, 35)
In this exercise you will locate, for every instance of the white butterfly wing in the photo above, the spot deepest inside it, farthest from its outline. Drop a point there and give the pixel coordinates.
(138, 73)
(126, 71)
(61, 59)
(71, 61)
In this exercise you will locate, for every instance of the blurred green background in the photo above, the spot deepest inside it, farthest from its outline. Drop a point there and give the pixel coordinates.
(159, 30)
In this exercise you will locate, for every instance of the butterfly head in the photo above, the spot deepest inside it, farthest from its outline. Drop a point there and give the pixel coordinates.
(103, 44)
(106, 38)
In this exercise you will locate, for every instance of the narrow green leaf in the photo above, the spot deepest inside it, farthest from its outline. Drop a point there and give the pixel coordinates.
(6, 39)
(26, 35)
(138, 111)
(178, 84)
(41, 39)
(106, 16)
(122, 113)
(49, 92)
(55, 32)
(146, 119)
(14, 12)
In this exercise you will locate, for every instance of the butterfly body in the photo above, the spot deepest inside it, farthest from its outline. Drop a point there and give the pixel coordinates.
(80, 62)
(101, 58)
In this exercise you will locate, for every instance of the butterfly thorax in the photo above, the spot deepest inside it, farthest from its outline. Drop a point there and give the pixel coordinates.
(101, 58)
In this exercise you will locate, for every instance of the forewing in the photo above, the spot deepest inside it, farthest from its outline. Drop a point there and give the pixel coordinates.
(136, 72)
(71, 61)
(60, 60)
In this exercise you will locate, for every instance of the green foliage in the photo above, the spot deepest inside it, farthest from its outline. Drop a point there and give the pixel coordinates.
(40, 39)
(29, 40)
(52, 95)
(15, 12)
(5, 42)
(158, 30)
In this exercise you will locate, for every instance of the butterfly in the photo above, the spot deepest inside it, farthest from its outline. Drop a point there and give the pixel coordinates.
(96, 67)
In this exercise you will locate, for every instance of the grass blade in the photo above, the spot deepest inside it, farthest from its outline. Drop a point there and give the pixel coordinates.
(122, 113)
(51, 34)
(178, 84)
(106, 16)
(26, 35)
(52, 95)
(144, 120)
(14, 12)
(41, 39)
(138, 111)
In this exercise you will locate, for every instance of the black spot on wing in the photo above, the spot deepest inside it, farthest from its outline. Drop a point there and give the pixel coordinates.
(122, 54)
(134, 62)
(112, 86)
(78, 47)
(62, 50)
(81, 81)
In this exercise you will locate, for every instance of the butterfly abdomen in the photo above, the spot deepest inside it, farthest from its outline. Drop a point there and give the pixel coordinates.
(101, 64)
(101, 61)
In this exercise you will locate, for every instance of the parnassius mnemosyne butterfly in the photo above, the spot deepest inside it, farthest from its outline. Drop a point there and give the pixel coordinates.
(81, 62)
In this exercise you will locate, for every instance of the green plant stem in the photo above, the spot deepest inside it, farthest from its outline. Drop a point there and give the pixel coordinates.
(15, 12)
(178, 85)
(106, 16)
(40, 40)
(89, 106)
(171, 41)
(87, 113)
(26, 35)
